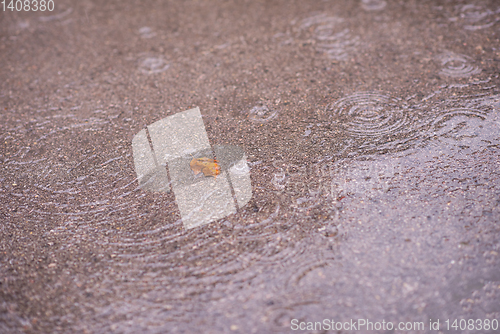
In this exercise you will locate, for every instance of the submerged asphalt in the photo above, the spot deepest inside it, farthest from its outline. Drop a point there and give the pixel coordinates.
(369, 131)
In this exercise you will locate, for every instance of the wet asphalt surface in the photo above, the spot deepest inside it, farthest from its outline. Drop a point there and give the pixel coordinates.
(371, 129)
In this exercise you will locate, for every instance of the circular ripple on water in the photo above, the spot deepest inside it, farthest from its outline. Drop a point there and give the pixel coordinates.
(373, 4)
(279, 249)
(261, 114)
(146, 32)
(476, 17)
(457, 66)
(67, 181)
(369, 114)
(152, 65)
(330, 37)
(444, 126)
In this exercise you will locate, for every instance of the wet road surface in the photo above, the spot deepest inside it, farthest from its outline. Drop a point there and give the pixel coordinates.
(371, 131)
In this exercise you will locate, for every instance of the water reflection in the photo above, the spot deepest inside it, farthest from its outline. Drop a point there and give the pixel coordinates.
(456, 134)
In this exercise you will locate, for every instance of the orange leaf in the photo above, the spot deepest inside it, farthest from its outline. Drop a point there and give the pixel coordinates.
(207, 166)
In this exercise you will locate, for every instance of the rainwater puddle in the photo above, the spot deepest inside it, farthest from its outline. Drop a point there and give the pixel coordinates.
(457, 135)
(261, 256)
(396, 210)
